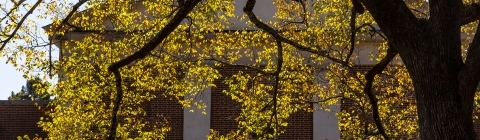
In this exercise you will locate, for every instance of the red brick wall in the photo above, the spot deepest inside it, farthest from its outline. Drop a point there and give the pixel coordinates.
(169, 108)
(160, 108)
(18, 118)
(224, 111)
(223, 114)
(300, 127)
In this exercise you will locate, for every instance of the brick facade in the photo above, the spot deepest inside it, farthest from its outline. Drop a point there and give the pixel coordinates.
(19, 118)
(225, 110)
(169, 108)
(300, 127)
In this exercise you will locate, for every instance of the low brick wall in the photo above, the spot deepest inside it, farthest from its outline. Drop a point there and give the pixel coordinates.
(19, 118)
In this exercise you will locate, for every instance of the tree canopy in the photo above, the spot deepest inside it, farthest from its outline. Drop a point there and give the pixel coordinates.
(307, 53)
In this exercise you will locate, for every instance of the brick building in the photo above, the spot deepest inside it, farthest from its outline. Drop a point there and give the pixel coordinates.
(18, 118)
(221, 110)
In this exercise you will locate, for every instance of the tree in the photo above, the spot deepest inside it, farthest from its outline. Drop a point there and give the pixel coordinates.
(18, 96)
(151, 47)
(431, 48)
(32, 91)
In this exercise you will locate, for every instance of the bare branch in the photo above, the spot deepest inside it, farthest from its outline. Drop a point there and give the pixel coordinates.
(19, 24)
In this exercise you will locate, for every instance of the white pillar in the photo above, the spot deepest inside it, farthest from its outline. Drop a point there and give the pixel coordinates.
(196, 125)
(325, 123)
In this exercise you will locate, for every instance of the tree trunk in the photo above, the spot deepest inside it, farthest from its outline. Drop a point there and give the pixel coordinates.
(435, 66)
(431, 50)
(440, 110)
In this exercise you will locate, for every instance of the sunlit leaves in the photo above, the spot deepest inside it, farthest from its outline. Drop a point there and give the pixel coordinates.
(188, 61)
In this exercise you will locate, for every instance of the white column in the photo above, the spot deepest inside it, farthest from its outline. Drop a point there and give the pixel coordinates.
(325, 123)
(196, 125)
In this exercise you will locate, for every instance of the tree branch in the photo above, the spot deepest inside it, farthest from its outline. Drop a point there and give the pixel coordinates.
(118, 100)
(142, 53)
(159, 37)
(357, 7)
(445, 18)
(19, 24)
(74, 9)
(353, 28)
(246, 66)
(469, 76)
(377, 69)
(14, 8)
(64, 21)
(392, 16)
(470, 13)
(277, 82)
(248, 9)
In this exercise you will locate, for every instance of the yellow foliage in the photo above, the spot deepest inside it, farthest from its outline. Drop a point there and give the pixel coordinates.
(186, 63)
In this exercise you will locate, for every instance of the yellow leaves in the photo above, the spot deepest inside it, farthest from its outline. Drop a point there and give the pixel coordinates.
(187, 62)
(393, 89)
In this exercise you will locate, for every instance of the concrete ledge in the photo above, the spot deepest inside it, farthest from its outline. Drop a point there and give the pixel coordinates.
(22, 102)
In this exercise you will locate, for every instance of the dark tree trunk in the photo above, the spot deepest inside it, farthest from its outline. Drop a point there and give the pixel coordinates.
(431, 50)
(434, 65)
(440, 109)
(432, 56)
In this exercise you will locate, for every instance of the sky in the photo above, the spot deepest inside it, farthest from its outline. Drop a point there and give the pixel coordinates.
(10, 79)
